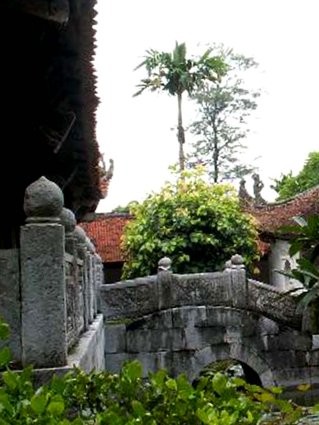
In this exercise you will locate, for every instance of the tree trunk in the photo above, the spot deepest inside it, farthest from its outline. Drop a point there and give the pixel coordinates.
(180, 133)
(216, 152)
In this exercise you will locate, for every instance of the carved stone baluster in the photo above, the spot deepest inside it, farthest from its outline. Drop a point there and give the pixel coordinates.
(43, 294)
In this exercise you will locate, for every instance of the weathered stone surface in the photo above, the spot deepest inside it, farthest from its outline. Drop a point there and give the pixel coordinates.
(43, 199)
(10, 298)
(183, 323)
(154, 340)
(68, 220)
(200, 289)
(115, 361)
(43, 295)
(288, 340)
(188, 316)
(115, 338)
(88, 354)
(129, 299)
(271, 302)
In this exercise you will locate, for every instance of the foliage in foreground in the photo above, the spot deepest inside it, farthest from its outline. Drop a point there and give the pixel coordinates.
(305, 244)
(127, 399)
(198, 225)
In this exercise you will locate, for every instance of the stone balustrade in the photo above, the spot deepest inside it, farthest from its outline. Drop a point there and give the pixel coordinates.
(230, 288)
(54, 299)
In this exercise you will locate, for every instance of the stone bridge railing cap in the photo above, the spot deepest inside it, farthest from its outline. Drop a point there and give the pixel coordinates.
(90, 246)
(80, 234)
(68, 220)
(43, 201)
(164, 264)
(237, 260)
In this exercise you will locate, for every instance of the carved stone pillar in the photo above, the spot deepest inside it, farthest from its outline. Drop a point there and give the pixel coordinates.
(43, 295)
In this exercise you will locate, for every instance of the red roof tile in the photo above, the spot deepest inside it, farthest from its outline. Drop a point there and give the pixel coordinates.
(271, 217)
(106, 231)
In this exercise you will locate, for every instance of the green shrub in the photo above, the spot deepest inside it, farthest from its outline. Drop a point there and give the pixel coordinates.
(128, 399)
(197, 224)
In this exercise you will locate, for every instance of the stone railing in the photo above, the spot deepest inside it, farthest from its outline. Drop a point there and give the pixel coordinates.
(60, 278)
(230, 288)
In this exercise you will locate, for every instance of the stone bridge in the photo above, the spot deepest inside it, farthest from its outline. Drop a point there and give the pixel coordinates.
(184, 323)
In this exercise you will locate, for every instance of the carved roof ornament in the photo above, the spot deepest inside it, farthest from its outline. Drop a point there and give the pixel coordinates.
(43, 201)
(244, 196)
(258, 186)
(105, 175)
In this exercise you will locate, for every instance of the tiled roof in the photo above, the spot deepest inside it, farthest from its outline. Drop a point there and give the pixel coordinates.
(271, 217)
(105, 231)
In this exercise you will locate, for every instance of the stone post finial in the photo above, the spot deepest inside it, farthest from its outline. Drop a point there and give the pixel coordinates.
(68, 220)
(80, 235)
(43, 201)
(237, 262)
(164, 264)
(90, 246)
(228, 265)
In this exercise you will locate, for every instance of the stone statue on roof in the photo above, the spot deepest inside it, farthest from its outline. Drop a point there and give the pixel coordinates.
(244, 196)
(258, 186)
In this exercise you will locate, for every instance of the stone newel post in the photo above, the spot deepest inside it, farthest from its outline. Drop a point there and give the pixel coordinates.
(43, 291)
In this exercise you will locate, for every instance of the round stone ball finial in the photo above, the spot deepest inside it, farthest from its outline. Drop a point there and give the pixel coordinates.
(90, 246)
(228, 265)
(68, 220)
(164, 264)
(237, 261)
(43, 201)
(80, 234)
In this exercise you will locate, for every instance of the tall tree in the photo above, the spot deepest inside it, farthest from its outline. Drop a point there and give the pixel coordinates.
(176, 74)
(289, 185)
(222, 125)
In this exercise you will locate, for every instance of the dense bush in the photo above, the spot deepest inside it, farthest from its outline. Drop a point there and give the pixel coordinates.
(127, 399)
(197, 224)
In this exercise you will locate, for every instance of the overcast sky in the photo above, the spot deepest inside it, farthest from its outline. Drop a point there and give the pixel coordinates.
(282, 36)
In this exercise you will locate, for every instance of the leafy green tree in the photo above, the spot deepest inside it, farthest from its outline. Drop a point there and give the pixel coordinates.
(224, 108)
(305, 243)
(198, 225)
(176, 74)
(288, 185)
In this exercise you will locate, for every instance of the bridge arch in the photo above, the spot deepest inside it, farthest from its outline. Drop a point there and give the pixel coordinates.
(184, 322)
(238, 352)
(187, 339)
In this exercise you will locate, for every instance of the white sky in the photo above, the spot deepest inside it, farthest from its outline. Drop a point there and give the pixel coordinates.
(282, 35)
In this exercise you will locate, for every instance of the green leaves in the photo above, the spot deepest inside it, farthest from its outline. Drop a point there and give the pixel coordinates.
(198, 225)
(288, 185)
(4, 330)
(223, 109)
(127, 399)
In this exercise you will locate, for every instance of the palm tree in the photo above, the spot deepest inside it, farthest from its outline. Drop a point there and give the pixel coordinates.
(174, 73)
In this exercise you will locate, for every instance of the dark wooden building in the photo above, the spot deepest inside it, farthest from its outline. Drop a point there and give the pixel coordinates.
(48, 103)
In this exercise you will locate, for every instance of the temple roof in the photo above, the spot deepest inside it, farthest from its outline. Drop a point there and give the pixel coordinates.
(271, 217)
(106, 230)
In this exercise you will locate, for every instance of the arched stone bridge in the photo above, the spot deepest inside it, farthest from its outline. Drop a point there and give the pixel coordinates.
(183, 323)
